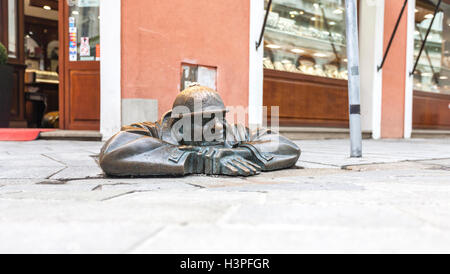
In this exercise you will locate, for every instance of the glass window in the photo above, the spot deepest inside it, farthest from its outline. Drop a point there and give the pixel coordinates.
(433, 70)
(306, 36)
(12, 28)
(84, 30)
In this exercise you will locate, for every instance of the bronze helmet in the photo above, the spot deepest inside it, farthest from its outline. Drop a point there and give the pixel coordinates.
(207, 98)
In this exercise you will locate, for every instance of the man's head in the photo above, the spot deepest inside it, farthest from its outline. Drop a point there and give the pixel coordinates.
(200, 116)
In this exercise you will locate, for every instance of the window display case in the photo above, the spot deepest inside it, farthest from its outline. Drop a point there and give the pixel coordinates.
(431, 96)
(433, 70)
(306, 37)
(305, 65)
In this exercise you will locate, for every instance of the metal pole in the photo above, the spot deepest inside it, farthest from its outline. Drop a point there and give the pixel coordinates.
(353, 78)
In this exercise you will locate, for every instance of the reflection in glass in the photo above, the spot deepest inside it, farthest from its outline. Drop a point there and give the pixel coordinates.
(306, 36)
(433, 70)
(84, 30)
(12, 28)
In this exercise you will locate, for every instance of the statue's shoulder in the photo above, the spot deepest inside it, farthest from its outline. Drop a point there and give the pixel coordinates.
(262, 132)
(143, 128)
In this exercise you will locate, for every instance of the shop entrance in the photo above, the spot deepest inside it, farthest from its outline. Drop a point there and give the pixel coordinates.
(53, 48)
(80, 64)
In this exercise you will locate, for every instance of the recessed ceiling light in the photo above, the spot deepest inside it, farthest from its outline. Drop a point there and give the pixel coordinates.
(272, 46)
(319, 54)
(332, 23)
(429, 16)
(46, 7)
(75, 12)
(297, 50)
(338, 11)
(316, 6)
(313, 19)
(443, 77)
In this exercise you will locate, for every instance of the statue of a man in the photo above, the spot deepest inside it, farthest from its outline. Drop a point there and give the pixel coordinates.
(194, 138)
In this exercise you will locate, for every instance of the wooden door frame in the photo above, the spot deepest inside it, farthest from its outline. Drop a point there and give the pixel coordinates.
(17, 118)
(62, 54)
(3, 22)
(20, 52)
(65, 65)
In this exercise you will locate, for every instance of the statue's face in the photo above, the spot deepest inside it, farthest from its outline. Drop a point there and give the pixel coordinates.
(206, 130)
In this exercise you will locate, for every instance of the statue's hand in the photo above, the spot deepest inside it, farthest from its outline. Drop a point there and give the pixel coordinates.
(238, 166)
(225, 161)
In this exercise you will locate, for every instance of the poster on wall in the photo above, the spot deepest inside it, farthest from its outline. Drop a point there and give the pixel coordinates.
(85, 48)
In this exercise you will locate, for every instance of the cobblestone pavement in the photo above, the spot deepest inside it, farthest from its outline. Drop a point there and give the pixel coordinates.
(54, 198)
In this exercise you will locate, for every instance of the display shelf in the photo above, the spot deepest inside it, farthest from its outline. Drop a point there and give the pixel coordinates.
(309, 8)
(300, 41)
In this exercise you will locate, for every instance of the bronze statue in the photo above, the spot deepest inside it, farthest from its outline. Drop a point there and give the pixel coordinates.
(194, 138)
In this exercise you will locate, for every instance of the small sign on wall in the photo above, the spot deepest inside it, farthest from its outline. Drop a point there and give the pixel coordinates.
(88, 3)
(97, 52)
(72, 40)
(204, 75)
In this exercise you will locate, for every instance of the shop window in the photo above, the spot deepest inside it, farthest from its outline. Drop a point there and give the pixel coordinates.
(433, 70)
(306, 37)
(84, 30)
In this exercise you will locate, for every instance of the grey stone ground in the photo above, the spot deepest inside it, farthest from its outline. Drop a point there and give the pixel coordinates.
(53, 198)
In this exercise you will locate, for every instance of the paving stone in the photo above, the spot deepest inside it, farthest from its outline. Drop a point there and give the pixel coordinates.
(74, 159)
(32, 172)
(78, 172)
(308, 165)
(72, 237)
(27, 160)
(436, 215)
(54, 198)
(409, 165)
(157, 207)
(441, 162)
(13, 182)
(324, 216)
(294, 239)
(84, 190)
(300, 184)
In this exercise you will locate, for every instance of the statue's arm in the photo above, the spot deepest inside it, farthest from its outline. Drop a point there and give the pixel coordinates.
(271, 151)
(130, 153)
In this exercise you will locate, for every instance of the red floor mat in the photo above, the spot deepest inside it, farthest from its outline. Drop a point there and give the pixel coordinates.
(20, 134)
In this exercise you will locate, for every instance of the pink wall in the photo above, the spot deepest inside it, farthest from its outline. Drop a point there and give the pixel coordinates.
(157, 36)
(394, 73)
